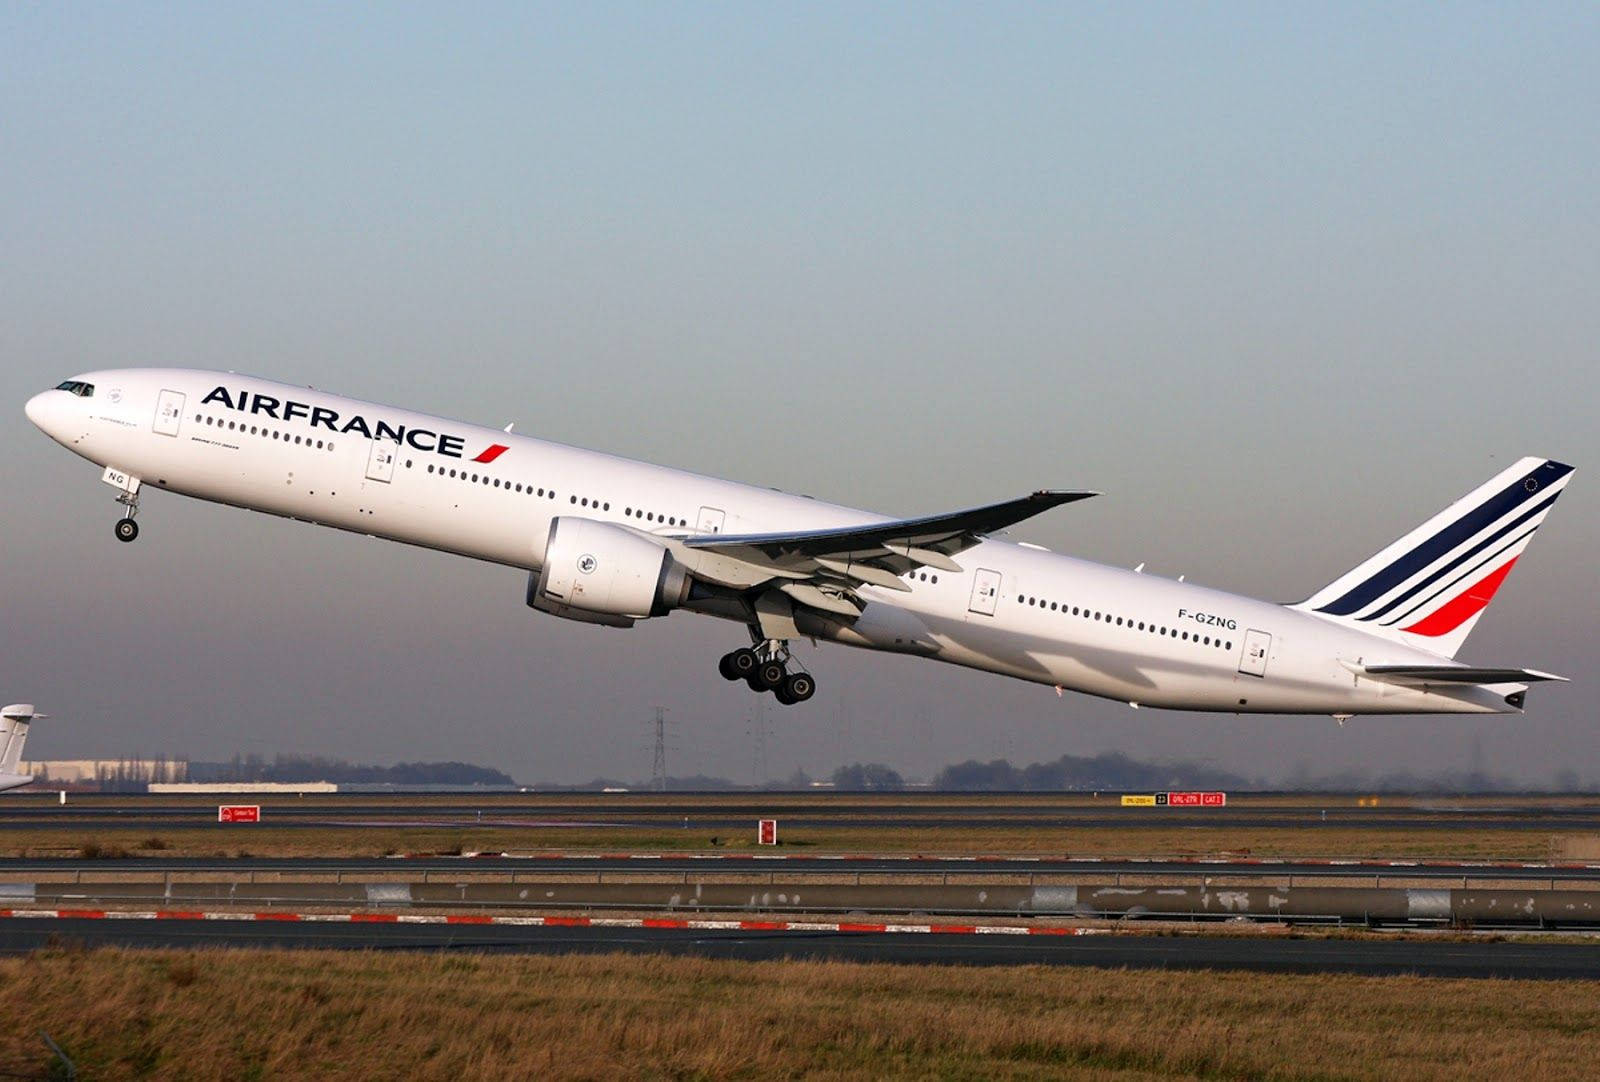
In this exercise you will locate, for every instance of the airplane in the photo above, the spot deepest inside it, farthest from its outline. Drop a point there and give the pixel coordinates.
(14, 721)
(610, 541)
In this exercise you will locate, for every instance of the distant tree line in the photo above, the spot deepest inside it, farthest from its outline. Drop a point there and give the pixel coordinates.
(1113, 771)
(301, 768)
(868, 778)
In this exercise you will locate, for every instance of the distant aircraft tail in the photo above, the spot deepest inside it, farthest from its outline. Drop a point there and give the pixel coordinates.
(14, 721)
(1429, 588)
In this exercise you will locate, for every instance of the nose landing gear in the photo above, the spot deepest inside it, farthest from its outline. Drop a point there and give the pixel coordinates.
(765, 667)
(127, 528)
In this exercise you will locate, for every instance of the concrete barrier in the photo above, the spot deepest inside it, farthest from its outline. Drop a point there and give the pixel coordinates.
(1345, 905)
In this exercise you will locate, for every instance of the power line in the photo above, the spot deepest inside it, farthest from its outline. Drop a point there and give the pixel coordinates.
(658, 771)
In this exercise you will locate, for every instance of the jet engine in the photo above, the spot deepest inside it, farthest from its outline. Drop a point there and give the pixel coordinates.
(600, 573)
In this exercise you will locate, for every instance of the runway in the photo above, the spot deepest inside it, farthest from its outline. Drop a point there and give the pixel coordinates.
(1410, 955)
(803, 865)
(720, 812)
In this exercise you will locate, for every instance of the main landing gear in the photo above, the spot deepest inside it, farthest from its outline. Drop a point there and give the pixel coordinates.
(765, 667)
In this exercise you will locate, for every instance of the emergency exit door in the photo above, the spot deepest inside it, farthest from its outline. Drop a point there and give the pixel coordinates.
(169, 412)
(1257, 645)
(711, 520)
(985, 592)
(380, 461)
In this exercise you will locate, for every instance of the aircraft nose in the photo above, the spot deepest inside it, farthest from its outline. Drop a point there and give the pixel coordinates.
(48, 410)
(38, 408)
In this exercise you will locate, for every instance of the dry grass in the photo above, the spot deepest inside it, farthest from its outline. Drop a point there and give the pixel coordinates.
(241, 1015)
(1470, 843)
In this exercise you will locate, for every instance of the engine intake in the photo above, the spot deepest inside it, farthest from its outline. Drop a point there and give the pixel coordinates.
(601, 573)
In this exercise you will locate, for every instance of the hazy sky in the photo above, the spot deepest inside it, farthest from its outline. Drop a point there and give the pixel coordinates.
(1280, 280)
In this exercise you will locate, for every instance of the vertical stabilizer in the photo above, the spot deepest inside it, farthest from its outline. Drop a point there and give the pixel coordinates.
(1429, 588)
(14, 722)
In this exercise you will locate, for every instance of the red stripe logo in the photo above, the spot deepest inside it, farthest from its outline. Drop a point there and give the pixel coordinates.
(1444, 620)
(492, 452)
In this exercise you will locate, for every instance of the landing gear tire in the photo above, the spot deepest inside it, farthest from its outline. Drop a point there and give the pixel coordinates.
(739, 665)
(769, 676)
(127, 529)
(797, 687)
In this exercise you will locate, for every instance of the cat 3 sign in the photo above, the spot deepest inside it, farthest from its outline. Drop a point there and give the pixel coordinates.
(239, 813)
(1174, 800)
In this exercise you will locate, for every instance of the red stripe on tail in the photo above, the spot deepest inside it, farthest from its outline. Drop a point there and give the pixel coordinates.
(1465, 606)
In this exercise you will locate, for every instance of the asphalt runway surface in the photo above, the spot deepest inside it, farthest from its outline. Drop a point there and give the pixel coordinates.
(17, 868)
(719, 814)
(1381, 957)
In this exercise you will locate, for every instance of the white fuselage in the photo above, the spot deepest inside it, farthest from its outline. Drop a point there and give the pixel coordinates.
(1053, 619)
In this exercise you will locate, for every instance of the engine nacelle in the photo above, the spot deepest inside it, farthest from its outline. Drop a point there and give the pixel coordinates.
(600, 573)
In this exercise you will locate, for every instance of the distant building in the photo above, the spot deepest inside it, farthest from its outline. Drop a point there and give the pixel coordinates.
(243, 787)
(107, 775)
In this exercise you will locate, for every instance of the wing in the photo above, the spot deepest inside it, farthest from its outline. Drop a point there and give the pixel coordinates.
(822, 568)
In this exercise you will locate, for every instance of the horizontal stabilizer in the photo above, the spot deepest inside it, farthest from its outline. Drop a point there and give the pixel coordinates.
(1455, 674)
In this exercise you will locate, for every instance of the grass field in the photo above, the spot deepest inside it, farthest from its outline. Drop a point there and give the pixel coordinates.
(1482, 843)
(1482, 827)
(241, 1015)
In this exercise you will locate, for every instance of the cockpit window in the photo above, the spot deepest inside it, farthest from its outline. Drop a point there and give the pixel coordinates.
(77, 387)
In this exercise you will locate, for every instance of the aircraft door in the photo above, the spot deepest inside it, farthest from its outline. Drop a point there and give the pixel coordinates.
(985, 592)
(169, 412)
(1257, 644)
(380, 461)
(710, 520)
